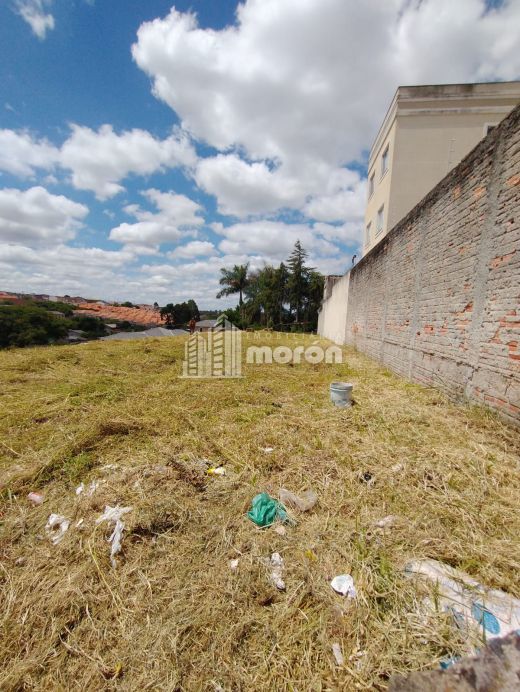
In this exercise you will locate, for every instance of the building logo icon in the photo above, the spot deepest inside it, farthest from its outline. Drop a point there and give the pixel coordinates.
(215, 353)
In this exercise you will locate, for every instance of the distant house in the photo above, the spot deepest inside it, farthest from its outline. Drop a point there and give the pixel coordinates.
(56, 313)
(205, 325)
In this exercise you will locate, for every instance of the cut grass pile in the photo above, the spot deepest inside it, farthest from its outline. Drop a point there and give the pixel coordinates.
(172, 614)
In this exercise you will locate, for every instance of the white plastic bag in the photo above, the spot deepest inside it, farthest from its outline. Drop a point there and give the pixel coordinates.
(56, 527)
(475, 609)
(276, 571)
(338, 654)
(344, 585)
(113, 515)
(304, 502)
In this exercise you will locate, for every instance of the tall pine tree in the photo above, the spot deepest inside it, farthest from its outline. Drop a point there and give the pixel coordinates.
(298, 281)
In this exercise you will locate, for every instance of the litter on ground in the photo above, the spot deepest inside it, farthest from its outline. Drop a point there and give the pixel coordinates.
(344, 585)
(92, 487)
(113, 516)
(56, 528)
(35, 498)
(304, 502)
(216, 471)
(386, 522)
(474, 608)
(338, 655)
(277, 566)
(265, 510)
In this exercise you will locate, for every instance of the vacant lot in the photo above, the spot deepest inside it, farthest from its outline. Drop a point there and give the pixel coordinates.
(173, 614)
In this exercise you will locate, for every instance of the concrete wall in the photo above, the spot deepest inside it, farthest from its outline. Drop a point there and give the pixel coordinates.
(333, 314)
(438, 299)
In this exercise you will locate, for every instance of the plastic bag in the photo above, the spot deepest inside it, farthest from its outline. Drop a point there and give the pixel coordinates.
(93, 486)
(265, 510)
(344, 584)
(303, 502)
(56, 527)
(276, 571)
(113, 515)
(216, 471)
(475, 609)
(338, 655)
(35, 498)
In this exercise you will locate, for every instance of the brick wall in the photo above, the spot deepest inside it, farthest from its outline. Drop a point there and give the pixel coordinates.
(438, 299)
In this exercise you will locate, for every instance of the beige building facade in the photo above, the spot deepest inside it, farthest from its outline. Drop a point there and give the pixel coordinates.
(426, 132)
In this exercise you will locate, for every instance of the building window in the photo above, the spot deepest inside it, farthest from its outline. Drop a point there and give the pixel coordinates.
(371, 185)
(367, 234)
(380, 219)
(384, 161)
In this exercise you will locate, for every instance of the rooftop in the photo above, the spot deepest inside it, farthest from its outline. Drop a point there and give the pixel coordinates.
(448, 97)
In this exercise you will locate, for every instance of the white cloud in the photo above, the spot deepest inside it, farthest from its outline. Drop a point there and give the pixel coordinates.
(345, 204)
(314, 77)
(71, 259)
(350, 233)
(196, 248)
(100, 160)
(21, 155)
(177, 216)
(90, 272)
(247, 188)
(242, 189)
(35, 14)
(97, 160)
(273, 240)
(299, 87)
(36, 216)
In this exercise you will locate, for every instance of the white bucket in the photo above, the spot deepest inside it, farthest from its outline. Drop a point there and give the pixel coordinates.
(341, 394)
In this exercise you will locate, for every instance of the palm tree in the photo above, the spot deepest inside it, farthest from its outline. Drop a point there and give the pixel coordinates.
(234, 281)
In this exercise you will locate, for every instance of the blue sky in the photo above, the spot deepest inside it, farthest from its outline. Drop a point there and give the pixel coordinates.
(143, 145)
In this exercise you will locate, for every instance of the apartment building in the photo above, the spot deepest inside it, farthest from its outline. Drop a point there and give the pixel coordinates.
(425, 133)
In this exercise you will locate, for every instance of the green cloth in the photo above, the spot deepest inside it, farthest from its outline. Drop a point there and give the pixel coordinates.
(265, 510)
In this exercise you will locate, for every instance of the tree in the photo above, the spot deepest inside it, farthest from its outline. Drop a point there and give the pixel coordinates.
(298, 281)
(266, 295)
(27, 325)
(194, 310)
(276, 295)
(314, 298)
(234, 281)
(168, 315)
(92, 326)
(282, 278)
(180, 313)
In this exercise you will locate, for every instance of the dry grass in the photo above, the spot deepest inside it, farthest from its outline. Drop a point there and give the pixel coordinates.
(172, 615)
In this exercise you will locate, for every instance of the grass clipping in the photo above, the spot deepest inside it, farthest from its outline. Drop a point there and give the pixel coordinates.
(174, 614)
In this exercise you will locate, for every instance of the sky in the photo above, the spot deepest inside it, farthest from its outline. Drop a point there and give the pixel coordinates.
(144, 144)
